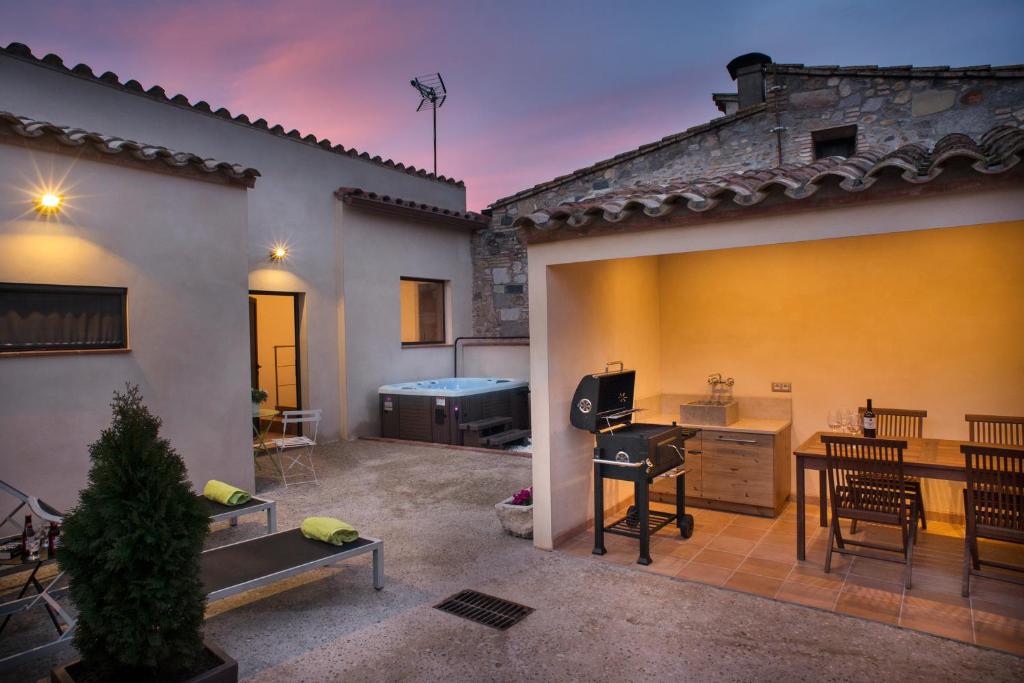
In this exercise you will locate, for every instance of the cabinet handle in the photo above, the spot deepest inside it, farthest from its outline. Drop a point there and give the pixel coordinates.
(694, 452)
(748, 441)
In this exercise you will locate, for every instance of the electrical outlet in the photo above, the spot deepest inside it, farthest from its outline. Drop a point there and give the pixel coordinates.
(784, 387)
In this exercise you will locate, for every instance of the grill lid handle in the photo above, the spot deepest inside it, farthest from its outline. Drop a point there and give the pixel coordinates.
(610, 363)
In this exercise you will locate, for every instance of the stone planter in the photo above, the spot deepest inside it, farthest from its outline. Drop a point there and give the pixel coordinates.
(224, 672)
(515, 519)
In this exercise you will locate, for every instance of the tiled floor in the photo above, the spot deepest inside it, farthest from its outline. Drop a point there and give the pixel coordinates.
(757, 555)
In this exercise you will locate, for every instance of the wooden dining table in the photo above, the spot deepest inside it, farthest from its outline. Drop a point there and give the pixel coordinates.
(925, 458)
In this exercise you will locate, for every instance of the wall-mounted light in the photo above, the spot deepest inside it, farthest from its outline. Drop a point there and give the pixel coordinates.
(278, 252)
(49, 202)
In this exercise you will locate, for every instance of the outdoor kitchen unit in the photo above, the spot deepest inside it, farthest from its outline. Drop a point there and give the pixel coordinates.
(630, 451)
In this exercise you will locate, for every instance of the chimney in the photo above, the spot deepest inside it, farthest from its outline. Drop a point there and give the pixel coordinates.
(748, 72)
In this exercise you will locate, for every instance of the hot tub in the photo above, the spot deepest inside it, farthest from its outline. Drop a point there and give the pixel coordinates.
(464, 411)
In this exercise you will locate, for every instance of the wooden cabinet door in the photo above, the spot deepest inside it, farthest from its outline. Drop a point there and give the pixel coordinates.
(737, 467)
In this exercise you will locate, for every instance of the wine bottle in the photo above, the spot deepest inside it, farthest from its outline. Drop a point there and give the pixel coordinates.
(869, 421)
(52, 540)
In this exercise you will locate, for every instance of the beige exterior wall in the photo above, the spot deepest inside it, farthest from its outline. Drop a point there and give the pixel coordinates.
(489, 360)
(177, 245)
(380, 250)
(293, 202)
(576, 311)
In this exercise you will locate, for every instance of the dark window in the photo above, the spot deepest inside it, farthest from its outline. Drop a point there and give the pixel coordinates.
(835, 142)
(62, 318)
(423, 314)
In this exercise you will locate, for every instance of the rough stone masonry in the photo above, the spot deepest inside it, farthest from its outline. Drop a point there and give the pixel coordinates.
(795, 110)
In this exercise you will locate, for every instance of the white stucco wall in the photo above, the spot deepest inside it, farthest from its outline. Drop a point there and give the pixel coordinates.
(378, 251)
(563, 307)
(292, 203)
(178, 246)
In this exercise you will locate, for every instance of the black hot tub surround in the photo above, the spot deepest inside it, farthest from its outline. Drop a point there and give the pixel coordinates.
(628, 451)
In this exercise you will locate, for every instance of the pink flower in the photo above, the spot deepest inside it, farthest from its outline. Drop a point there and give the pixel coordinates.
(523, 497)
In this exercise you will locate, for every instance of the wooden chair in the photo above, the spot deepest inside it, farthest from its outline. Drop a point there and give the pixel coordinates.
(900, 423)
(993, 505)
(1004, 430)
(866, 482)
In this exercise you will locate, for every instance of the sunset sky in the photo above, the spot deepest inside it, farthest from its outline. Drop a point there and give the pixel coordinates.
(538, 89)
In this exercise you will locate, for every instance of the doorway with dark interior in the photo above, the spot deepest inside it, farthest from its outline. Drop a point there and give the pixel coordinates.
(274, 355)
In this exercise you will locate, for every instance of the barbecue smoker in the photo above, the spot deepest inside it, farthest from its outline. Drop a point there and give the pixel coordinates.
(628, 451)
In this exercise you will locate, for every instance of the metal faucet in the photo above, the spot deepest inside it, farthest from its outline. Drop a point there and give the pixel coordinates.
(719, 395)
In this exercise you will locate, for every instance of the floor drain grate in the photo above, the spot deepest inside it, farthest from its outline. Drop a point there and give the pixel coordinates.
(484, 609)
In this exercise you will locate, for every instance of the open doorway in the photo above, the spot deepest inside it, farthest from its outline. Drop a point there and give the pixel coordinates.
(274, 358)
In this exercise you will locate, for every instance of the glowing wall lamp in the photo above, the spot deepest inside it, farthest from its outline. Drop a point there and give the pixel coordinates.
(49, 202)
(278, 253)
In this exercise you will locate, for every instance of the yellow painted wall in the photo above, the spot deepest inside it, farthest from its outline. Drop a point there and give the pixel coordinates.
(275, 325)
(931, 319)
(597, 312)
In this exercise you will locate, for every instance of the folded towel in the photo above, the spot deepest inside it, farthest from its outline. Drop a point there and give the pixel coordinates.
(225, 494)
(328, 530)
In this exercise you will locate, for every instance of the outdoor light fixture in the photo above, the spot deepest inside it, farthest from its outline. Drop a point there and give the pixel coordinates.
(278, 253)
(48, 202)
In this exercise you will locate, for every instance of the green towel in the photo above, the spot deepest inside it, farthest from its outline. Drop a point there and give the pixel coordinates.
(329, 530)
(225, 494)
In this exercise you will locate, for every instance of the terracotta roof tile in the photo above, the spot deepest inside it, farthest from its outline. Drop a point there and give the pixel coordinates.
(999, 150)
(22, 51)
(77, 138)
(388, 204)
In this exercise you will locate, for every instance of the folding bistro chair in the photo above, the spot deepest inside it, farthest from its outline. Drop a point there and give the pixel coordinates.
(866, 483)
(900, 423)
(993, 505)
(1004, 430)
(295, 453)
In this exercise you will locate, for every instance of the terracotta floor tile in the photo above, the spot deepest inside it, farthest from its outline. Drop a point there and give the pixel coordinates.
(749, 522)
(929, 581)
(1004, 634)
(870, 599)
(752, 583)
(805, 594)
(718, 558)
(676, 547)
(664, 564)
(738, 546)
(941, 622)
(814, 575)
(768, 568)
(747, 533)
(773, 552)
(877, 569)
(993, 611)
(996, 592)
(705, 573)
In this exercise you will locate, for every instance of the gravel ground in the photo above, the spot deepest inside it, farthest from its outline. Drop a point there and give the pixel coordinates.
(593, 621)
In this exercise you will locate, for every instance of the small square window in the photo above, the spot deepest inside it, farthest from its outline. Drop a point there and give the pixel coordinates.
(835, 142)
(62, 318)
(423, 311)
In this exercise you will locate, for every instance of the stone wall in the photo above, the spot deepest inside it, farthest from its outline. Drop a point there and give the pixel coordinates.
(890, 107)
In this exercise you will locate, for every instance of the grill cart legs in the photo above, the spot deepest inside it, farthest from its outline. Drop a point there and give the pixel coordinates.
(598, 511)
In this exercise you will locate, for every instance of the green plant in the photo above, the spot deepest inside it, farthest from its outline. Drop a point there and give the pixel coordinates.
(259, 396)
(131, 549)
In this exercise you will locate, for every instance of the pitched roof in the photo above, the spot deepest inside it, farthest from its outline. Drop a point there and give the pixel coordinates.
(354, 196)
(67, 139)
(902, 71)
(999, 150)
(157, 93)
(633, 153)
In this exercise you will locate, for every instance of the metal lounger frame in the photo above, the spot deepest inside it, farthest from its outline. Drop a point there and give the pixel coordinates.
(232, 516)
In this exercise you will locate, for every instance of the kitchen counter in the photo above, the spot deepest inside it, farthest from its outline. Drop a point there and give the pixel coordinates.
(753, 425)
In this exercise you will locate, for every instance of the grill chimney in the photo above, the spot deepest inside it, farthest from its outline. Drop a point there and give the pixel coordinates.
(748, 72)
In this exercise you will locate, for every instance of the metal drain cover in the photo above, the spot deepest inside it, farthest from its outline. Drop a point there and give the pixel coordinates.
(484, 609)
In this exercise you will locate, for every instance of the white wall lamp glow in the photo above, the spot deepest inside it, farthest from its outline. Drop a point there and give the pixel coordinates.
(49, 203)
(278, 253)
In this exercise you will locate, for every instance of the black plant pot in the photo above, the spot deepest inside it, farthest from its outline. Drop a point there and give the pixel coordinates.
(224, 672)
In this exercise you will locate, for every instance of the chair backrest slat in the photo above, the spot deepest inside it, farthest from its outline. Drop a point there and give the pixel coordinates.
(898, 422)
(995, 486)
(1005, 430)
(866, 475)
(296, 417)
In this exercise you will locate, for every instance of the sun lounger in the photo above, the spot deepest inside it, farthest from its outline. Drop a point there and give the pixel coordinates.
(220, 512)
(245, 565)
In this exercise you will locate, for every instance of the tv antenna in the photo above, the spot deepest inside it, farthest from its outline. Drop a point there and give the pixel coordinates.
(433, 94)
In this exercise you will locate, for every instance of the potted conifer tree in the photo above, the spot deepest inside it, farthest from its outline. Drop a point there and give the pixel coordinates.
(131, 549)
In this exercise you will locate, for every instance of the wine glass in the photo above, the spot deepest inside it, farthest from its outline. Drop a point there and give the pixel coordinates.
(844, 420)
(855, 422)
(833, 420)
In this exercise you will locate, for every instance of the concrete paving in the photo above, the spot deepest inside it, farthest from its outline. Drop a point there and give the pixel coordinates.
(593, 621)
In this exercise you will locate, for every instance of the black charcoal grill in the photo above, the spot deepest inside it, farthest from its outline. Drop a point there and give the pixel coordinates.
(630, 451)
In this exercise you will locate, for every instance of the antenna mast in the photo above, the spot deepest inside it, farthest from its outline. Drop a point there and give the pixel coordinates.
(432, 96)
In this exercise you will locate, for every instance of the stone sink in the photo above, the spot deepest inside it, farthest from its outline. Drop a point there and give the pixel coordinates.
(708, 413)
